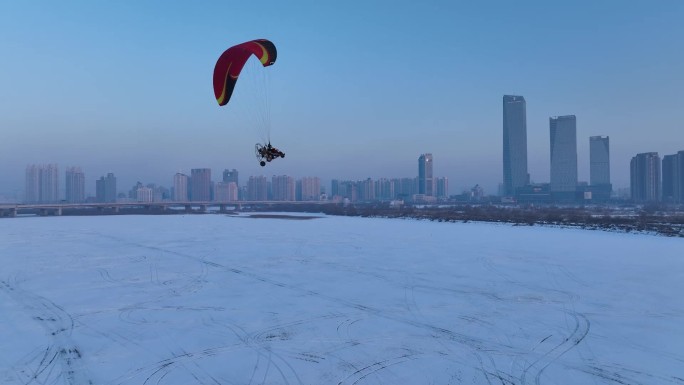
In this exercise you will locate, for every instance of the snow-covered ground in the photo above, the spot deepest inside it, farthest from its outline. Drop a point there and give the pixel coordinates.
(216, 299)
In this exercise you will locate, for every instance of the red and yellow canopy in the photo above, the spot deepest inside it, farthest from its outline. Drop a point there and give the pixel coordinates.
(230, 63)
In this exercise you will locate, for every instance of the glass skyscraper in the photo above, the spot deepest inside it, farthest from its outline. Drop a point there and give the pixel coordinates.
(514, 144)
(425, 180)
(599, 160)
(563, 133)
(599, 167)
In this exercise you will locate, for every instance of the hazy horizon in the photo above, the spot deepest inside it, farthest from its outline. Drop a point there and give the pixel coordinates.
(358, 91)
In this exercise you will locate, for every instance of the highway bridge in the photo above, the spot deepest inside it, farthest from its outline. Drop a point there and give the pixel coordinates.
(45, 209)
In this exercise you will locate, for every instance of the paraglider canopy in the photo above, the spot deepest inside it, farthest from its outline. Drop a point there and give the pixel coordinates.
(230, 64)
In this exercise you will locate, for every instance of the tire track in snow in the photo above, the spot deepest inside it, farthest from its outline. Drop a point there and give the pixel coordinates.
(62, 351)
(578, 334)
(361, 374)
(477, 344)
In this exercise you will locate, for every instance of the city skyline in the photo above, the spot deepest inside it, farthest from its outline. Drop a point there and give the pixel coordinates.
(563, 181)
(363, 111)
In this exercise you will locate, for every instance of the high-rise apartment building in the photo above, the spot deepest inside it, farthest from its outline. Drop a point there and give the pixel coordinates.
(680, 177)
(515, 173)
(257, 188)
(180, 187)
(425, 180)
(346, 189)
(42, 184)
(230, 176)
(366, 189)
(283, 187)
(405, 188)
(384, 189)
(563, 133)
(310, 189)
(673, 178)
(335, 188)
(645, 177)
(442, 187)
(144, 194)
(225, 192)
(75, 185)
(105, 189)
(670, 185)
(32, 189)
(200, 182)
(49, 183)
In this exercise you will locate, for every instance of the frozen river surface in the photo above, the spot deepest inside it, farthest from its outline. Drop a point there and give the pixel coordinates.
(214, 299)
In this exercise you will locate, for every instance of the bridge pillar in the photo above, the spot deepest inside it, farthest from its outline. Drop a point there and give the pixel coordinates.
(222, 208)
(43, 212)
(203, 208)
(13, 212)
(188, 208)
(58, 211)
(116, 209)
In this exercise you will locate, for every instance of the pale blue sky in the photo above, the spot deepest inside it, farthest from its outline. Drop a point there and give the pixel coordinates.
(360, 88)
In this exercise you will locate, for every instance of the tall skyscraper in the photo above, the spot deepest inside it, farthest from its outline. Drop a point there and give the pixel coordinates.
(144, 194)
(405, 188)
(345, 189)
(645, 177)
(230, 176)
(335, 187)
(75, 185)
(425, 179)
(670, 185)
(310, 188)
(225, 192)
(42, 184)
(283, 188)
(257, 188)
(200, 182)
(680, 176)
(384, 189)
(442, 187)
(514, 144)
(49, 183)
(181, 183)
(180, 187)
(563, 133)
(32, 190)
(366, 189)
(673, 178)
(105, 189)
(599, 160)
(599, 167)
